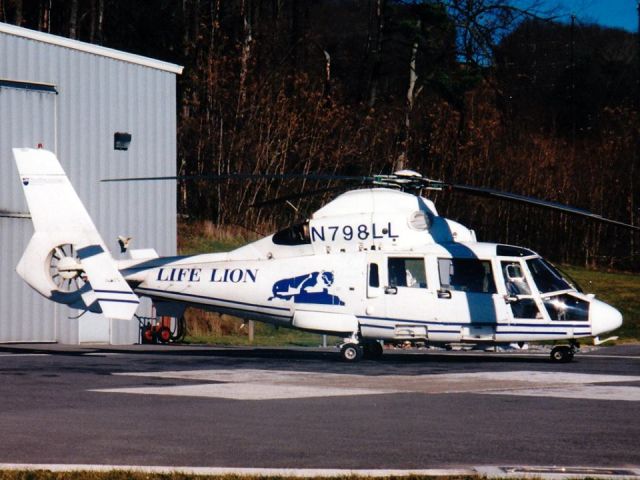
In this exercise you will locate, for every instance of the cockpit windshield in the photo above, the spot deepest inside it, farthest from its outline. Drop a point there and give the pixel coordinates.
(294, 235)
(546, 276)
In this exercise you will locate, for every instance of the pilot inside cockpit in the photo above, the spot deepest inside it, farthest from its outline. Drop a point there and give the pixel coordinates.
(514, 280)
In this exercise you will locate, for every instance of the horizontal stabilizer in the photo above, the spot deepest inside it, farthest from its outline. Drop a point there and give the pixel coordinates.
(115, 297)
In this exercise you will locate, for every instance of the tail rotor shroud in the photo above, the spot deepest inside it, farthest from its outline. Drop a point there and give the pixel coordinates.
(65, 269)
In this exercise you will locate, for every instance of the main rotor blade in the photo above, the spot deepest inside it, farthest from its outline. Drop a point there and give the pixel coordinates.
(294, 196)
(489, 193)
(245, 176)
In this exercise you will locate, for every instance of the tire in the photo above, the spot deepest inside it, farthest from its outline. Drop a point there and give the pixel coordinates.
(373, 350)
(148, 335)
(351, 352)
(165, 335)
(561, 354)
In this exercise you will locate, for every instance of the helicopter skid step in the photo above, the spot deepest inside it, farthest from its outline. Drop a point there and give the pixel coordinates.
(410, 332)
(478, 334)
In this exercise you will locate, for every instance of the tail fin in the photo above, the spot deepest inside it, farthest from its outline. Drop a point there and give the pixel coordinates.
(66, 259)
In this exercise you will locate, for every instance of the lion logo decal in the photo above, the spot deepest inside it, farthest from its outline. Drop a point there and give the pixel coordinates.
(309, 288)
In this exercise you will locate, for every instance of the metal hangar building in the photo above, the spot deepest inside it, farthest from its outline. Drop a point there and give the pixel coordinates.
(105, 113)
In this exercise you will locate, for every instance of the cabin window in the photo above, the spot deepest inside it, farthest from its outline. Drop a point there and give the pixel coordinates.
(294, 235)
(407, 272)
(374, 276)
(466, 275)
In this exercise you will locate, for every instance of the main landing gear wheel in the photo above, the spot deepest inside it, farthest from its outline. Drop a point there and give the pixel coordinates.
(351, 352)
(562, 354)
(373, 350)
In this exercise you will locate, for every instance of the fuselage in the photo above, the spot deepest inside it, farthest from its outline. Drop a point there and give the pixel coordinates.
(436, 292)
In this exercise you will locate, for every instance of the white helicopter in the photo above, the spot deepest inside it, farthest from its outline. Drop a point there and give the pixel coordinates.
(375, 264)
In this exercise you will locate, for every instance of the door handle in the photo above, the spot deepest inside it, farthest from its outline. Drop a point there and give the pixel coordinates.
(444, 294)
(391, 290)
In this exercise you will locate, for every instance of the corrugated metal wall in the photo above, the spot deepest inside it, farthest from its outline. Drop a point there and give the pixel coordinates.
(26, 118)
(97, 96)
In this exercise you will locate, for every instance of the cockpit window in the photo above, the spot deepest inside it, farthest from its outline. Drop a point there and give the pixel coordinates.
(294, 235)
(566, 308)
(466, 275)
(511, 251)
(546, 277)
(514, 279)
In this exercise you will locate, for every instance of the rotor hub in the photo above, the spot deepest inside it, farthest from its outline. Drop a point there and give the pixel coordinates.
(69, 267)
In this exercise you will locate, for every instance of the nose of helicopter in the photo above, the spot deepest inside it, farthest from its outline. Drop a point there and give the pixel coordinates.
(604, 318)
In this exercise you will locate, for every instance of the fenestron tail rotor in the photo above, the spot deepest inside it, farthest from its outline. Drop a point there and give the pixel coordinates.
(65, 268)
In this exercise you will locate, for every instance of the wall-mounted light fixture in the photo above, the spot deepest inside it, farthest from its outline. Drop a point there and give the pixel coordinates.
(121, 140)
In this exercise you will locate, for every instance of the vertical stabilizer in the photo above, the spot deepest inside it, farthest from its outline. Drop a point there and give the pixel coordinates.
(66, 259)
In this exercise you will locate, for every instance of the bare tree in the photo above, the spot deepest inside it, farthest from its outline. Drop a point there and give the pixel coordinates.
(96, 30)
(44, 17)
(73, 19)
(19, 19)
(247, 40)
(376, 52)
(481, 24)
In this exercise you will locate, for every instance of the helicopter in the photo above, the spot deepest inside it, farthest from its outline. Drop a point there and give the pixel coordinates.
(375, 264)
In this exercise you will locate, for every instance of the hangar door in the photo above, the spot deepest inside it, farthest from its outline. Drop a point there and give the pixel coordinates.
(27, 119)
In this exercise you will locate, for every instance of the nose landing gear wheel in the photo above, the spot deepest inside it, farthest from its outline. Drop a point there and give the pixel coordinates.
(351, 352)
(562, 354)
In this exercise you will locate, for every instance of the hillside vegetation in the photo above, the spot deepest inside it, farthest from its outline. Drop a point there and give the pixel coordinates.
(493, 93)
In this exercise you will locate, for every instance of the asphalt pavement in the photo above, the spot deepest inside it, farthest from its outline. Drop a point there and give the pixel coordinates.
(179, 406)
